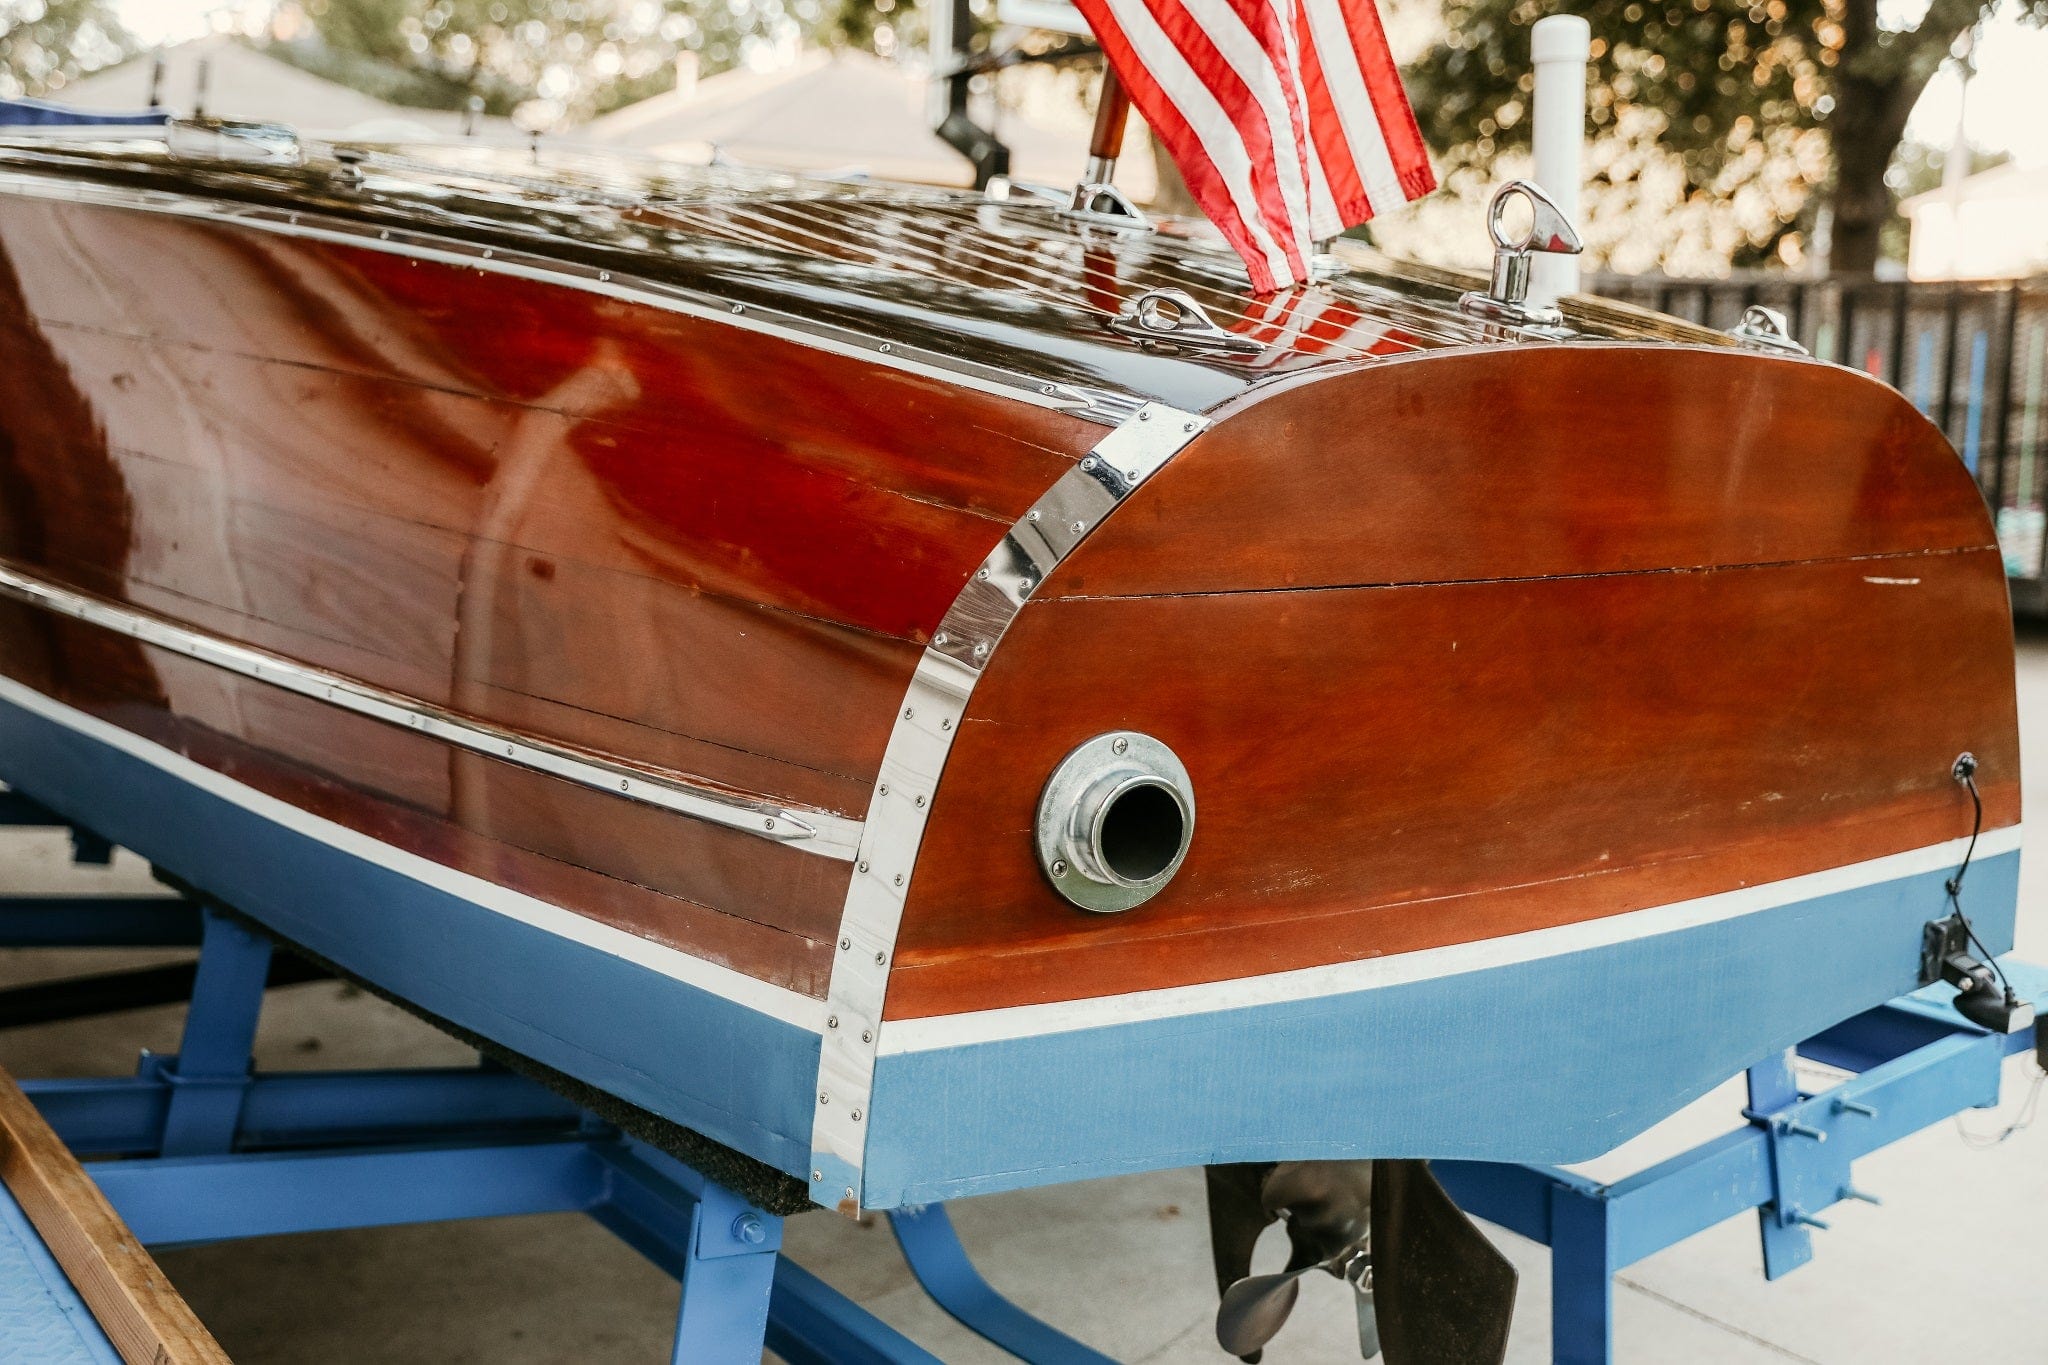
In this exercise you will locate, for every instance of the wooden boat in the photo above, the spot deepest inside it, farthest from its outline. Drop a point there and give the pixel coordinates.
(938, 695)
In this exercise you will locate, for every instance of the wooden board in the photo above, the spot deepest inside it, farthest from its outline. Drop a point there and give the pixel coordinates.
(145, 1317)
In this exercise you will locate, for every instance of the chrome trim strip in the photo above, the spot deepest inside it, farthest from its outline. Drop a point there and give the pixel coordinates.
(812, 831)
(1090, 404)
(762, 997)
(911, 766)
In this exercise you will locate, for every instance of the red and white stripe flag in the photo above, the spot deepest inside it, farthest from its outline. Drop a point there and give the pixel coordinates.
(1286, 117)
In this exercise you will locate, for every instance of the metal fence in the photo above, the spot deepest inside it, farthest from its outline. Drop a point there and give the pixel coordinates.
(1973, 356)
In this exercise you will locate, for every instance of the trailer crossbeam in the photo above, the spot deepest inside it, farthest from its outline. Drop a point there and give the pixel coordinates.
(1915, 1062)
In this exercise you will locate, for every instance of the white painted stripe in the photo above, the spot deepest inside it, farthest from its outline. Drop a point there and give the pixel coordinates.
(751, 992)
(1324, 219)
(1353, 99)
(1214, 128)
(1301, 39)
(1255, 66)
(1026, 1021)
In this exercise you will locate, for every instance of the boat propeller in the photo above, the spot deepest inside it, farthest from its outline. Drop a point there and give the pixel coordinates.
(1427, 1284)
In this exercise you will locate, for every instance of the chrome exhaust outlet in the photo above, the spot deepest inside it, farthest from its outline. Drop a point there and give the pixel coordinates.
(1115, 821)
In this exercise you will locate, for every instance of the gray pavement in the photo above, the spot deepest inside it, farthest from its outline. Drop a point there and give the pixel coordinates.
(1953, 1265)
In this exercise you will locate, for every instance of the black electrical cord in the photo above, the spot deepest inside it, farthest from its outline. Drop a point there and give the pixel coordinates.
(1965, 772)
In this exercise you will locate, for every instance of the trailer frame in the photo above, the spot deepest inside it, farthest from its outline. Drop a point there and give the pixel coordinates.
(213, 1150)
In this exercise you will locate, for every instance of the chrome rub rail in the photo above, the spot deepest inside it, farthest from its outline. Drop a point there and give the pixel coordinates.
(811, 831)
(911, 766)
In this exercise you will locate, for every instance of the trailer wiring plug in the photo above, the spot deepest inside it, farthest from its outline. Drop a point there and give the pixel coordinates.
(1983, 994)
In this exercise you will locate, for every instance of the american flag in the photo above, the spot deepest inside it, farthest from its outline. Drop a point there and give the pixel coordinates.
(1286, 117)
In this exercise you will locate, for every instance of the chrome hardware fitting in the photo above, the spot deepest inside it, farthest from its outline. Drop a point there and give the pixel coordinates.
(219, 139)
(1003, 190)
(1101, 204)
(348, 165)
(1172, 316)
(1115, 821)
(1764, 329)
(1506, 299)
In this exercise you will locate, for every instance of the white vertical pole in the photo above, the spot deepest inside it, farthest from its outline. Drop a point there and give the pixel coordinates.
(1559, 46)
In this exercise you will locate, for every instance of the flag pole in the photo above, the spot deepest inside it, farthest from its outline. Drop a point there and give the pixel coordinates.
(1112, 115)
(1560, 45)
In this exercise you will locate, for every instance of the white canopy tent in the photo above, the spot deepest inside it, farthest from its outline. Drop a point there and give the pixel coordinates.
(227, 78)
(854, 112)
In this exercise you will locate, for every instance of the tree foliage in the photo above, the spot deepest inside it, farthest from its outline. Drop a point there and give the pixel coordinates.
(1769, 107)
(562, 58)
(44, 43)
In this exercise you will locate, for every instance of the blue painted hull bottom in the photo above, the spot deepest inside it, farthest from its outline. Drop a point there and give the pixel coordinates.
(1553, 1052)
(1552, 1060)
(735, 1074)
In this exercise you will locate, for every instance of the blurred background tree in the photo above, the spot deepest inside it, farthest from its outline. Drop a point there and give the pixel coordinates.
(566, 59)
(43, 43)
(1768, 109)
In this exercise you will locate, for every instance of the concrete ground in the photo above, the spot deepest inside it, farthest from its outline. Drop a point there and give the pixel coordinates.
(1953, 1264)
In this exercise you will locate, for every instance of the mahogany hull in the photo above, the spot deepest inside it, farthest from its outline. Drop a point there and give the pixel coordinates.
(1569, 673)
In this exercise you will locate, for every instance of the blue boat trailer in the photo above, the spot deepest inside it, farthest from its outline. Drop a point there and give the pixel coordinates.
(211, 1150)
